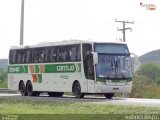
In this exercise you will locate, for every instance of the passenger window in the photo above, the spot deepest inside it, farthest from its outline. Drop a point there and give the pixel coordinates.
(20, 56)
(29, 53)
(13, 56)
(39, 55)
(69, 53)
(54, 57)
(64, 53)
(47, 54)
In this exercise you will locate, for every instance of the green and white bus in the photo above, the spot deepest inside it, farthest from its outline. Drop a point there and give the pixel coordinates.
(80, 67)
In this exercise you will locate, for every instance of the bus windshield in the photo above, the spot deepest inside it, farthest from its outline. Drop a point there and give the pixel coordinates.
(112, 48)
(114, 61)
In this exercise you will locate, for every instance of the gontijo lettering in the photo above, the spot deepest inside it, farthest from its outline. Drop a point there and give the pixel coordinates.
(66, 68)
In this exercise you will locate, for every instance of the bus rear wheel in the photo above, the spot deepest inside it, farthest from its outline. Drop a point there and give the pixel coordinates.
(55, 94)
(109, 95)
(22, 88)
(77, 90)
(29, 88)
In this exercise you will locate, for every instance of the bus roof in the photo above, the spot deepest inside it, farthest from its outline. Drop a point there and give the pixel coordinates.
(64, 42)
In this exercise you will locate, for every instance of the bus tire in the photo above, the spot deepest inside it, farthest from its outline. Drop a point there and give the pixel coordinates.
(109, 95)
(77, 90)
(29, 89)
(22, 88)
(55, 94)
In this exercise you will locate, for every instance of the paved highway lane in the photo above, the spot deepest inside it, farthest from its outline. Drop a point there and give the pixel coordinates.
(91, 99)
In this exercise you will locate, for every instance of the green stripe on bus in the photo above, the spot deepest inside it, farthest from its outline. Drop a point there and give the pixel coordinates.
(48, 68)
(18, 69)
(36, 68)
(61, 68)
(39, 78)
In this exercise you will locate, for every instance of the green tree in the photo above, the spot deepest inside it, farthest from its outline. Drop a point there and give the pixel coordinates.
(152, 71)
(3, 78)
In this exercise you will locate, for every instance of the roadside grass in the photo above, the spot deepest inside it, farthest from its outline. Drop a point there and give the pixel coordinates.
(149, 91)
(45, 107)
(144, 87)
(152, 91)
(4, 83)
(45, 110)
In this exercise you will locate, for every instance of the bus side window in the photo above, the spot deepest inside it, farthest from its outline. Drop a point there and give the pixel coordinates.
(88, 61)
(74, 53)
(20, 56)
(39, 55)
(67, 53)
(23, 56)
(13, 56)
(47, 54)
(28, 53)
(53, 54)
(63, 53)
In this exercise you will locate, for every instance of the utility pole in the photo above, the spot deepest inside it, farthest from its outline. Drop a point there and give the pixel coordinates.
(124, 28)
(22, 23)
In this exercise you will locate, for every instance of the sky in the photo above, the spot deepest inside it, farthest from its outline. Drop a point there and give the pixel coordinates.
(55, 20)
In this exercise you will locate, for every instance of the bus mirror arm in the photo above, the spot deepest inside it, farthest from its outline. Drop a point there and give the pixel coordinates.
(135, 61)
(136, 58)
(95, 58)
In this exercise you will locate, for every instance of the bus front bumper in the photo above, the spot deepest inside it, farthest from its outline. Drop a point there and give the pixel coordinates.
(99, 88)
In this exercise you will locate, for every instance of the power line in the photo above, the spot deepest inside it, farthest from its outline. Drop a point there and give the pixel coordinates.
(124, 28)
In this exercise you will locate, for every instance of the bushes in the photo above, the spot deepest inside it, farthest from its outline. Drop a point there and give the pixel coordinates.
(139, 83)
(146, 82)
(143, 87)
(3, 79)
(152, 71)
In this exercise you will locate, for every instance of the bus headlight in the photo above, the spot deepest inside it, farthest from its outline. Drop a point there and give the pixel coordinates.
(98, 82)
(128, 83)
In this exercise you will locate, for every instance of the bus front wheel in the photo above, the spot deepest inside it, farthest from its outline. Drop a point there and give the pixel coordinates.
(109, 95)
(77, 90)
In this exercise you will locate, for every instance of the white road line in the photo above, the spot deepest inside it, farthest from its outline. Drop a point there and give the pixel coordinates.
(3, 94)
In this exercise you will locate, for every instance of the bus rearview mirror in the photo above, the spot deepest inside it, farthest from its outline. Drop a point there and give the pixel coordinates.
(95, 58)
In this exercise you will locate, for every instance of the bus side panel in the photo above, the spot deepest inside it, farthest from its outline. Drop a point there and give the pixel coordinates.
(91, 86)
(14, 80)
(60, 82)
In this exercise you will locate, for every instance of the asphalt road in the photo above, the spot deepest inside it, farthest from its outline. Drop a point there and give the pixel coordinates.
(91, 99)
